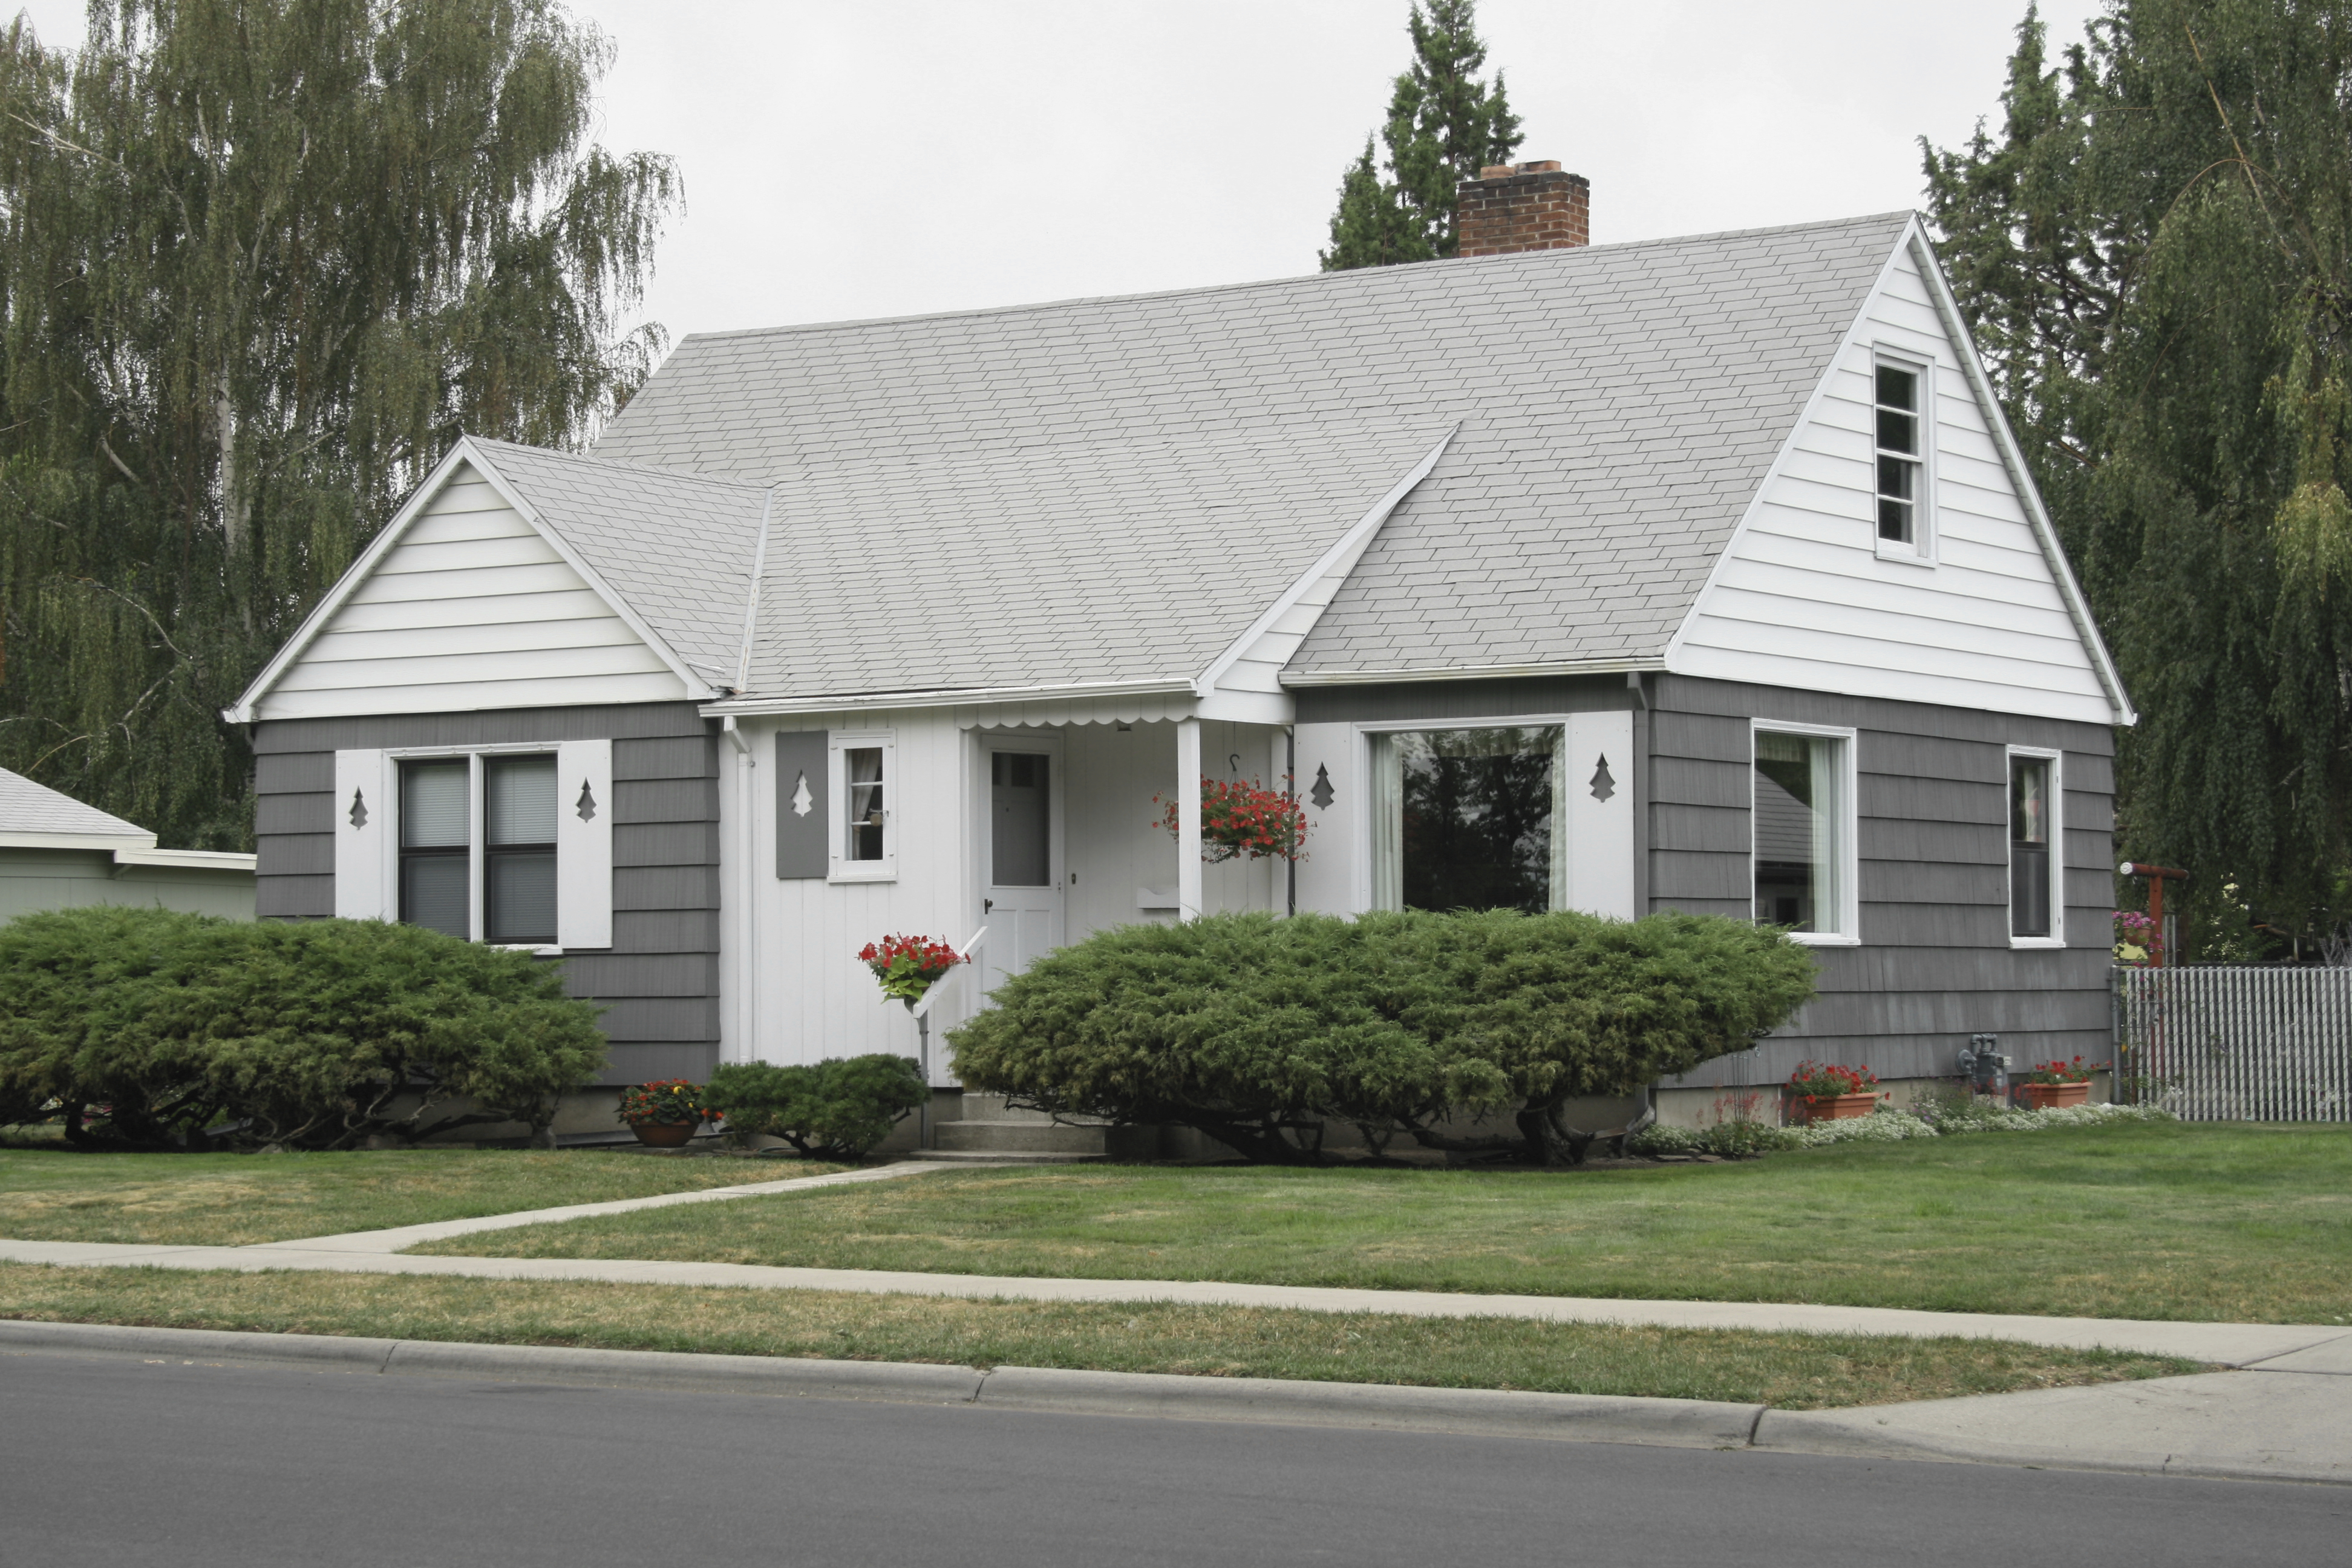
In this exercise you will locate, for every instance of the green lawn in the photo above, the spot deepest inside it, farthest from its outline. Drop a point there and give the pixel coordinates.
(55, 1193)
(1792, 1371)
(2199, 1222)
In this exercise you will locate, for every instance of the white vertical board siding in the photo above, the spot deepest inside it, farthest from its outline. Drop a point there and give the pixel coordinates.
(800, 994)
(363, 821)
(1803, 599)
(472, 609)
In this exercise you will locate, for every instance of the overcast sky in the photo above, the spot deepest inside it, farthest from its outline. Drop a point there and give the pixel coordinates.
(887, 157)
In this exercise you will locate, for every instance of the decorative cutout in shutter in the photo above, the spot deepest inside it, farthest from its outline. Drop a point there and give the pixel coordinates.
(801, 815)
(583, 844)
(365, 879)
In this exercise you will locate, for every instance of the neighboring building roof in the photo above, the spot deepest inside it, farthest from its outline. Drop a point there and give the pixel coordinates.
(32, 814)
(1031, 495)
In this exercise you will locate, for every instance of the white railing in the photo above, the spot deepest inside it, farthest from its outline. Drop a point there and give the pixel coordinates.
(2236, 1044)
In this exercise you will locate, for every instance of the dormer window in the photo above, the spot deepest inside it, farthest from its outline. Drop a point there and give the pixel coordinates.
(1900, 405)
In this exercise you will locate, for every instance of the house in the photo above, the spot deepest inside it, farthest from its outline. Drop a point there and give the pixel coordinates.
(56, 853)
(1688, 574)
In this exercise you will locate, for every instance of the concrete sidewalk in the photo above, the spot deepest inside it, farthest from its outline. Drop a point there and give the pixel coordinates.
(2220, 1344)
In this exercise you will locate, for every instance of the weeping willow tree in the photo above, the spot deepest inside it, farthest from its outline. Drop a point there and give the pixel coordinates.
(2155, 252)
(261, 262)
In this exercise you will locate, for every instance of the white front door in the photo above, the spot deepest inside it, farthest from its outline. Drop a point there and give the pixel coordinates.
(1020, 835)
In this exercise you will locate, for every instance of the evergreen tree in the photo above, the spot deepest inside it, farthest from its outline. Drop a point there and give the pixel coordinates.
(261, 262)
(2157, 254)
(1444, 125)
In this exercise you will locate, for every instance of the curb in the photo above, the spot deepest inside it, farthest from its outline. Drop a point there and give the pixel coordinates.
(1571, 1417)
(1832, 1433)
(1491, 1413)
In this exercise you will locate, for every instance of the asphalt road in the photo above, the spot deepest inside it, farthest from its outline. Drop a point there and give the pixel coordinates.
(112, 1460)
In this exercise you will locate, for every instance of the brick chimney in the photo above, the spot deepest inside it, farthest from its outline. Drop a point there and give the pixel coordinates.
(1524, 206)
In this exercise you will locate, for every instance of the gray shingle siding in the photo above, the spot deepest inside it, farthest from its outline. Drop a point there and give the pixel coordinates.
(660, 978)
(1935, 965)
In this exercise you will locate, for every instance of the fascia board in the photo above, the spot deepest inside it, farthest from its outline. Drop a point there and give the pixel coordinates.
(1473, 672)
(698, 686)
(1814, 400)
(188, 859)
(972, 697)
(111, 843)
(242, 712)
(1354, 539)
(2045, 532)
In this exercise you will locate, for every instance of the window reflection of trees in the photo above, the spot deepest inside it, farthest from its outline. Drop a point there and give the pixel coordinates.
(1477, 807)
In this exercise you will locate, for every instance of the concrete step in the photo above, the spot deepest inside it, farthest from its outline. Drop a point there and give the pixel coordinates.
(1000, 1157)
(992, 1107)
(1016, 1138)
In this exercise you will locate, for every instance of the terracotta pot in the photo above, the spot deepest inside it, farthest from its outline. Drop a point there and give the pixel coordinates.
(664, 1135)
(1837, 1107)
(2047, 1096)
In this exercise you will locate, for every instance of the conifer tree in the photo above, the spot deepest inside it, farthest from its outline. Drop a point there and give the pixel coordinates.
(2157, 256)
(1444, 125)
(261, 262)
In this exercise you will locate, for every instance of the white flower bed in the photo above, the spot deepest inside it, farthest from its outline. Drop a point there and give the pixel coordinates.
(1888, 1126)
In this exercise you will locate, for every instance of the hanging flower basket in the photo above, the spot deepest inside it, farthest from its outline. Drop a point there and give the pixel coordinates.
(907, 966)
(1241, 820)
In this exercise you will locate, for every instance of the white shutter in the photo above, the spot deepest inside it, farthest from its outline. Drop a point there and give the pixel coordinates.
(365, 819)
(1602, 837)
(584, 844)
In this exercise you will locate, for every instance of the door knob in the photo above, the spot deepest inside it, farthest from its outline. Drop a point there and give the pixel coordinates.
(986, 905)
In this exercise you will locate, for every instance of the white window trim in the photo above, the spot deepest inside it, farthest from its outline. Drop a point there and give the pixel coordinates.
(1849, 932)
(475, 919)
(1360, 868)
(839, 867)
(2057, 937)
(1924, 533)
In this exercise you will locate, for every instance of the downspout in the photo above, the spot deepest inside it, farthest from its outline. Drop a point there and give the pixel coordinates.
(1290, 779)
(745, 1011)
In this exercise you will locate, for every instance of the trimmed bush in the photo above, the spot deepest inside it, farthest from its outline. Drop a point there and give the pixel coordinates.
(156, 1029)
(836, 1109)
(1258, 1031)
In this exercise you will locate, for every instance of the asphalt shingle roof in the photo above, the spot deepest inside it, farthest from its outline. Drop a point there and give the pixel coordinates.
(1113, 488)
(29, 807)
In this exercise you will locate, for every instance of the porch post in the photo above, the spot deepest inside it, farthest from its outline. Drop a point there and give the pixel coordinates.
(1188, 819)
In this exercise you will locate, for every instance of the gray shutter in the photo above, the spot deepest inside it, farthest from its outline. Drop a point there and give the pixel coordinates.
(800, 816)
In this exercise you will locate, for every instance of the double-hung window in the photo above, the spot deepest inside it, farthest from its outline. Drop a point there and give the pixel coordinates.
(1804, 820)
(1899, 430)
(500, 816)
(863, 790)
(2034, 865)
(508, 842)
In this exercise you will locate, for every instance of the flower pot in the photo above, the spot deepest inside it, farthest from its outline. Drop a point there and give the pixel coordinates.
(663, 1134)
(2047, 1095)
(1838, 1107)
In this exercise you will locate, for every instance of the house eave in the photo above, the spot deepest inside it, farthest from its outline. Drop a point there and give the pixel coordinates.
(1468, 672)
(960, 697)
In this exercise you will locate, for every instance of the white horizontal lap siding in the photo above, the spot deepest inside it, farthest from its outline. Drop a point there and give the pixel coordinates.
(471, 609)
(1803, 599)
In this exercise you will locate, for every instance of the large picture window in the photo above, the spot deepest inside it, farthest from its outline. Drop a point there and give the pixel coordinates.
(1464, 819)
(1804, 852)
(514, 831)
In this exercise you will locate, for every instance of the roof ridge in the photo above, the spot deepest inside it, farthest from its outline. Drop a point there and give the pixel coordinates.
(496, 445)
(1294, 280)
